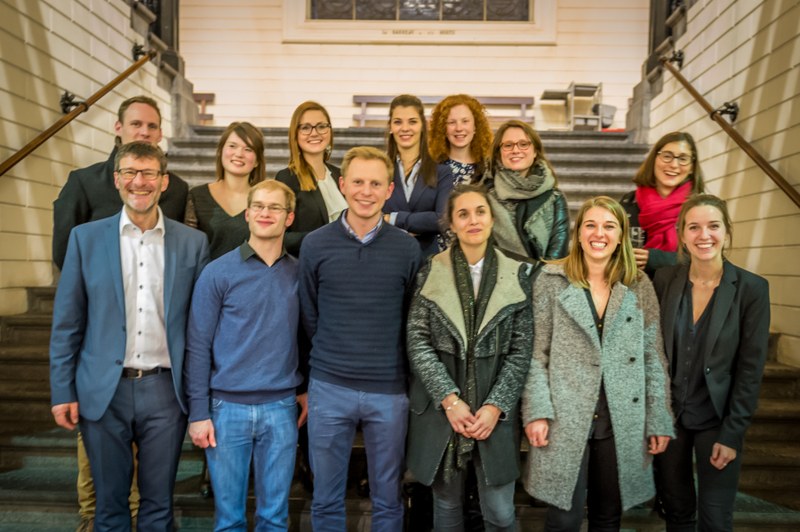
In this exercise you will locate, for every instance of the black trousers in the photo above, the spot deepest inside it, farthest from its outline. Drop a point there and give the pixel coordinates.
(710, 507)
(598, 480)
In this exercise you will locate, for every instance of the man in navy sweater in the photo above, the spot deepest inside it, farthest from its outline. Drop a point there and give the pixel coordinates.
(241, 366)
(356, 277)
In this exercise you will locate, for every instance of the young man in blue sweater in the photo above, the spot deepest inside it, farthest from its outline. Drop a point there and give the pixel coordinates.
(356, 277)
(241, 366)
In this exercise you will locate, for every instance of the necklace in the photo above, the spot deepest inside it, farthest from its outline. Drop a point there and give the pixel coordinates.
(706, 283)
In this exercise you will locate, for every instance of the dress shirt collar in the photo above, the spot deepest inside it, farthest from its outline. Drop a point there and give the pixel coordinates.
(246, 251)
(370, 234)
(125, 221)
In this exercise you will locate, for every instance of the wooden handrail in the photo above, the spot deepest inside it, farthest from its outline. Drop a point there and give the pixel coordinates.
(715, 115)
(81, 107)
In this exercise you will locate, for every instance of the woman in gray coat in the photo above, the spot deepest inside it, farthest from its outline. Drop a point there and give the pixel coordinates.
(469, 343)
(596, 402)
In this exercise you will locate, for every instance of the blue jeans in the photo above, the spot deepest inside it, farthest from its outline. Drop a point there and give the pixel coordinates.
(333, 414)
(497, 502)
(267, 433)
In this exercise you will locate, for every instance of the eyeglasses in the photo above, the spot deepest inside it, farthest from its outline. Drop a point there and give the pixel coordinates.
(522, 145)
(321, 128)
(667, 157)
(129, 174)
(273, 208)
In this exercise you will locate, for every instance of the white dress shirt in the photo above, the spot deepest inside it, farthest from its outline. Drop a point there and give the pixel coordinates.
(334, 201)
(142, 260)
(475, 271)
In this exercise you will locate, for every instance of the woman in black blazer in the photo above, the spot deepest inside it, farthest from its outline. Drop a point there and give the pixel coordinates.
(715, 320)
(314, 181)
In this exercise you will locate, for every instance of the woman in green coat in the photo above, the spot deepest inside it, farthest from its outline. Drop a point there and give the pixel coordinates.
(596, 402)
(469, 343)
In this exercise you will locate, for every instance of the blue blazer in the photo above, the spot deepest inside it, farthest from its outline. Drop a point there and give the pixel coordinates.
(87, 344)
(420, 214)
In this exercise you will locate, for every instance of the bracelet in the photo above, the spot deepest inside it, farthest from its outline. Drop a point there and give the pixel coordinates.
(454, 403)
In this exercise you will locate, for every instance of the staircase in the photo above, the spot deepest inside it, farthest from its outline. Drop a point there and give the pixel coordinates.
(37, 459)
(587, 163)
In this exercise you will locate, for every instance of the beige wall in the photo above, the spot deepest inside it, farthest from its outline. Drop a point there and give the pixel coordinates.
(234, 49)
(50, 46)
(748, 52)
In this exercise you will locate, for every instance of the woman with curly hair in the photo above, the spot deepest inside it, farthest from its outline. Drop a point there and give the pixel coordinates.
(531, 214)
(669, 175)
(421, 186)
(218, 208)
(314, 181)
(461, 137)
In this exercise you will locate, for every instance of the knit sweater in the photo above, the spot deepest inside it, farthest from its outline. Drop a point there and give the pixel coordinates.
(241, 341)
(354, 299)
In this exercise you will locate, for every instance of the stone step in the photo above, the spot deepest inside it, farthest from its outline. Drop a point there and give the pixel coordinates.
(780, 381)
(771, 468)
(776, 420)
(25, 329)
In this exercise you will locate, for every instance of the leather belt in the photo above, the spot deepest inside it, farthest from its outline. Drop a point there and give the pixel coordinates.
(132, 373)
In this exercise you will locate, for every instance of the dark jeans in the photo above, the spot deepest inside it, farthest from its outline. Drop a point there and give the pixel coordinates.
(599, 477)
(710, 508)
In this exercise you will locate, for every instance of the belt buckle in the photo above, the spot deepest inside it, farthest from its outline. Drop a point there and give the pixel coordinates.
(139, 373)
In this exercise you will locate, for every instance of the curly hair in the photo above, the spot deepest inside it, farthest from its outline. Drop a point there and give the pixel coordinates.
(481, 146)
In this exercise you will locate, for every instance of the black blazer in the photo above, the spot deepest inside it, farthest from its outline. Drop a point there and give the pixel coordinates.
(736, 345)
(90, 194)
(310, 210)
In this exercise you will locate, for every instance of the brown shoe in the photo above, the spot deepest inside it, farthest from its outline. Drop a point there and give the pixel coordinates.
(86, 525)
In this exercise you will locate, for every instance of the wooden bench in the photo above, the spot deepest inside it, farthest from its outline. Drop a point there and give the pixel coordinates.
(523, 103)
(202, 99)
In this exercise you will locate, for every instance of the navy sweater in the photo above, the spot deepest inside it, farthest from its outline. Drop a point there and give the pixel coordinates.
(354, 299)
(241, 341)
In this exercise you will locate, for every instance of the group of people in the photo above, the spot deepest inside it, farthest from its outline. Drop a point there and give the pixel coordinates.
(432, 296)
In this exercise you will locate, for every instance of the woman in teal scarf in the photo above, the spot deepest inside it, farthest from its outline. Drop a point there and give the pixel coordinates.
(469, 343)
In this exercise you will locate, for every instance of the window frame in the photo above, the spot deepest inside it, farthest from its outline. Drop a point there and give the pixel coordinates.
(297, 28)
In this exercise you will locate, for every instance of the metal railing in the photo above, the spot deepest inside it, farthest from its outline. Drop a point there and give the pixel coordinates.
(717, 116)
(79, 107)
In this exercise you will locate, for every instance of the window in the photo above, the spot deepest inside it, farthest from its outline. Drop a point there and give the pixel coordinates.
(437, 10)
(512, 22)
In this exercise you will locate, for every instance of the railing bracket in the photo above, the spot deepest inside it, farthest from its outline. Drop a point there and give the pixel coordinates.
(68, 102)
(677, 57)
(728, 108)
(137, 51)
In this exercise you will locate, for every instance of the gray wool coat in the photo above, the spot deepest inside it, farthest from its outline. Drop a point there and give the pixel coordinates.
(437, 344)
(564, 384)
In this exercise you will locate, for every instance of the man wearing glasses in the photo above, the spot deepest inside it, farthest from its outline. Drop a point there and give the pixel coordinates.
(241, 369)
(118, 338)
(89, 193)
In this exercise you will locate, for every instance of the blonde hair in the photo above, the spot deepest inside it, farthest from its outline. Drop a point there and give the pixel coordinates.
(367, 153)
(271, 185)
(622, 265)
(297, 163)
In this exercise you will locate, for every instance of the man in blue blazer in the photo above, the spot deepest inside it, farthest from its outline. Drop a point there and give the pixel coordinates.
(117, 345)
